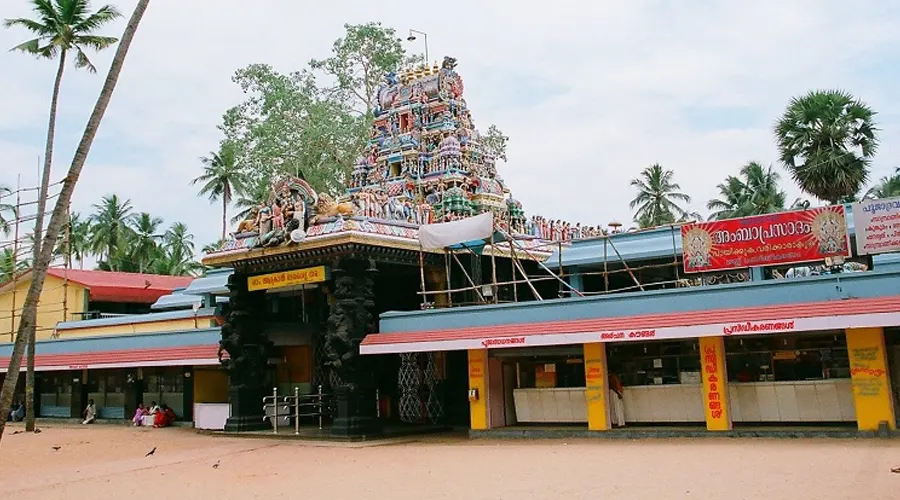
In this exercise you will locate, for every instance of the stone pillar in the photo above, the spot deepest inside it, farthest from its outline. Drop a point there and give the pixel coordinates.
(715, 383)
(871, 383)
(478, 404)
(596, 375)
(247, 349)
(349, 321)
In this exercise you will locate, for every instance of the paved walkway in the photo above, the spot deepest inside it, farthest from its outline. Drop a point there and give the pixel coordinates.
(108, 462)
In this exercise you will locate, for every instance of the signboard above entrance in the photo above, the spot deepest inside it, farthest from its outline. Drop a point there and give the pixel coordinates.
(765, 240)
(282, 279)
(877, 225)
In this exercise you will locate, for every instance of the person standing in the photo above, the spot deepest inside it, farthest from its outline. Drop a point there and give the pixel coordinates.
(616, 405)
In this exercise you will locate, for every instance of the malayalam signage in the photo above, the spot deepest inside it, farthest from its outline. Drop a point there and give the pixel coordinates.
(877, 226)
(765, 240)
(282, 279)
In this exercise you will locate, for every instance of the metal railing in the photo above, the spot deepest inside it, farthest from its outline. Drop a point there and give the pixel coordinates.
(295, 407)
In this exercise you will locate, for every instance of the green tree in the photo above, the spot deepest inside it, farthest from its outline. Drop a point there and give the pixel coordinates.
(179, 241)
(7, 210)
(359, 62)
(287, 125)
(144, 242)
(109, 226)
(26, 329)
(732, 200)
(886, 187)
(10, 265)
(827, 139)
(221, 178)
(755, 192)
(657, 200)
(61, 27)
(254, 193)
(494, 142)
(76, 240)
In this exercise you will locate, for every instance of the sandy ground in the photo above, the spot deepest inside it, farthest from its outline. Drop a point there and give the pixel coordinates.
(100, 462)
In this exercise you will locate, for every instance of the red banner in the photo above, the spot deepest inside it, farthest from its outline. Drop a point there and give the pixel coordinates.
(765, 240)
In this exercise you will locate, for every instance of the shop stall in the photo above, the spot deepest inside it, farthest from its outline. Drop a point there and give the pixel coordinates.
(790, 378)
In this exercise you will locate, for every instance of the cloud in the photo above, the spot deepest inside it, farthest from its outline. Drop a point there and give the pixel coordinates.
(590, 93)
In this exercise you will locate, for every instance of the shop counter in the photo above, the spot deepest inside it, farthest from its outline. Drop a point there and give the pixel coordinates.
(664, 403)
(550, 405)
(211, 416)
(797, 401)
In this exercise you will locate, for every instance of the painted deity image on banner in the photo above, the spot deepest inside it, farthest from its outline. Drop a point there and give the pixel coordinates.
(830, 231)
(697, 247)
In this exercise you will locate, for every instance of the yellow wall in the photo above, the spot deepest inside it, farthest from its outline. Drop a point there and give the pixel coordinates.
(478, 410)
(59, 302)
(869, 373)
(144, 327)
(596, 380)
(210, 386)
(715, 383)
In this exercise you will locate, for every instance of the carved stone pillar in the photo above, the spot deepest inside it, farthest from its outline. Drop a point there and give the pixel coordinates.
(247, 349)
(349, 321)
(436, 279)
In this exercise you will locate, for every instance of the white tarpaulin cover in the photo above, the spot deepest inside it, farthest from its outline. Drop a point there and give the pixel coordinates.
(445, 234)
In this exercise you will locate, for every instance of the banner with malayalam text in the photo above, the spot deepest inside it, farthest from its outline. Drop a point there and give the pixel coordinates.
(765, 240)
(877, 226)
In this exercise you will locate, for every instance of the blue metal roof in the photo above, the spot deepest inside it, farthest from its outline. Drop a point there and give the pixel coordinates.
(177, 301)
(135, 318)
(215, 283)
(123, 342)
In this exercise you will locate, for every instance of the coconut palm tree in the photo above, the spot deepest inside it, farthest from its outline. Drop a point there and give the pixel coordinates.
(179, 241)
(827, 139)
(213, 247)
(251, 196)
(732, 200)
(656, 201)
(221, 178)
(7, 210)
(887, 187)
(61, 27)
(109, 225)
(144, 246)
(764, 195)
(26, 329)
(76, 241)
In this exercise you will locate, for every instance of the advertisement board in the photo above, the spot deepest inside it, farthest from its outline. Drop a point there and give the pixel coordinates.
(765, 240)
(877, 226)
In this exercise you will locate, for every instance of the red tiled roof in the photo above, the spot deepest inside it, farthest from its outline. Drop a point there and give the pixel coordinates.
(832, 308)
(167, 356)
(107, 286)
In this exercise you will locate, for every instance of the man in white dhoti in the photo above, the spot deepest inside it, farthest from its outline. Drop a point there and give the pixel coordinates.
(616, 405)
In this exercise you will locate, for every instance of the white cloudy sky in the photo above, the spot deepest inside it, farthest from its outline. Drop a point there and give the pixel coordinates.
(589, 92)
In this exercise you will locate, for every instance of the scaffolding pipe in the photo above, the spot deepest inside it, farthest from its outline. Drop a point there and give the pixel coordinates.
(466, 274)
(638, 283)
(449, 286)
(494, 291)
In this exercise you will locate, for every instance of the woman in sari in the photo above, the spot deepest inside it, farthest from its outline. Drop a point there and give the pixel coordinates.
(139, 415)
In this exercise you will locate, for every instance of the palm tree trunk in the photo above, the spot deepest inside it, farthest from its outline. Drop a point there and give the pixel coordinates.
(224, 216)
(38, 236)
(39, 272)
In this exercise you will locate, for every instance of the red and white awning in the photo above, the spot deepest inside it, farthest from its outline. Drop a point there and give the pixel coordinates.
(788, 318)
(197, 355)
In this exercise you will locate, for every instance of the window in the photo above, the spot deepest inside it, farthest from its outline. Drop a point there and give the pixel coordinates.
(787, 357)
(56, 392)
(541, 372)
(107, 389)
(656, 363)
(165, 386)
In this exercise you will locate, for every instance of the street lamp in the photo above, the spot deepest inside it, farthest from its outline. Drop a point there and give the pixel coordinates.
(412, 38)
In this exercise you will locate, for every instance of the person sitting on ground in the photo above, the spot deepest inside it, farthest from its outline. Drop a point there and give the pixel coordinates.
(139, 415)
(154, 408)
(164, 417)
(90, 413)
(18, 414)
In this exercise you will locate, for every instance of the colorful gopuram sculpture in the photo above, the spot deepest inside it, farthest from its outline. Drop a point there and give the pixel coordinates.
(424, 163)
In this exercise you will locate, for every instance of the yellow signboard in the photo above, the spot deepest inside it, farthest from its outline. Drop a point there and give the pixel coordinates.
(287, 278)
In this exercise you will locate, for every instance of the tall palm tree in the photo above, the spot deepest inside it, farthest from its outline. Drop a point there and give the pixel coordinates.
(732, 200)
(179, 241)
(827, 139)
(764, 195)
(26, 329)
(62, 26)
(221, 178)
(212, 247)
(76, 240)
(887, 187)
(144, 245)
(109, 225)
(251, 196)
(656, 201)
(7, 210)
